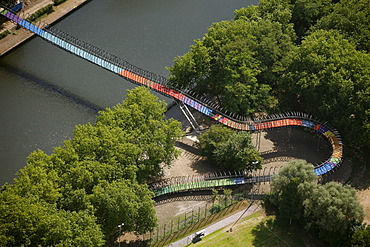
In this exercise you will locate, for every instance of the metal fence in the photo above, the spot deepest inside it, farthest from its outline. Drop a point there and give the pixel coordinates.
(217, 207)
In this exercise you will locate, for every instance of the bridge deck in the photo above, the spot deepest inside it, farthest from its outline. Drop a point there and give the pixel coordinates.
(160, 84)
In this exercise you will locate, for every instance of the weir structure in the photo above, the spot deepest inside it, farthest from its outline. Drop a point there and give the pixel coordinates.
(160, 84)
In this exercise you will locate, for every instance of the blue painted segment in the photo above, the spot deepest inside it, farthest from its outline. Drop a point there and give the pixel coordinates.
(322, 130)
(79, 52)
(238, 180)
(308, 124)
(16, 7)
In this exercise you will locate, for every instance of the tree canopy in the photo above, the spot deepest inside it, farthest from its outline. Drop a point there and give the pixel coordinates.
(237, 59)
(284, 188)
(230, 150)
(288, 55)
(77, 195)
(327, 77)
(352, 19)
(25, 221)
(306, 13)
(332, 211)
(361, 237)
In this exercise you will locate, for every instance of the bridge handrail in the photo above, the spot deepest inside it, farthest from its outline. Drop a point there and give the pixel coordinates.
(160, 84)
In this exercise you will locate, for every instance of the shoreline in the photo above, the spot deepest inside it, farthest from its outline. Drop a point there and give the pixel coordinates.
(22, 35)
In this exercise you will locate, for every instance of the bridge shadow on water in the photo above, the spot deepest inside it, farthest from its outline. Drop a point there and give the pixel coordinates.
(51, 87)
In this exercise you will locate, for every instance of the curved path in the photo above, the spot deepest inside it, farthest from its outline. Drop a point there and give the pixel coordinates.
(160, 84)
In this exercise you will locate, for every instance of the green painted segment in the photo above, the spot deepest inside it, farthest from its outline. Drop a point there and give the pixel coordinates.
(194, 185)
(4, 12)
(335, 160)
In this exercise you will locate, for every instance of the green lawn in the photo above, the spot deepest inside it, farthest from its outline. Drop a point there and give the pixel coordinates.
(255, 230)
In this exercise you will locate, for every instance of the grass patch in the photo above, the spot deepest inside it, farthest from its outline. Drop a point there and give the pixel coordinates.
(254, 230)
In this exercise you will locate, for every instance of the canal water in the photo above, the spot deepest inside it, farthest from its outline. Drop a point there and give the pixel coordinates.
(45, 91)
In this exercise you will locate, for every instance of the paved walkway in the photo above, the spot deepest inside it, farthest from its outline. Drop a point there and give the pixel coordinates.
(229, 221)
(11, 41)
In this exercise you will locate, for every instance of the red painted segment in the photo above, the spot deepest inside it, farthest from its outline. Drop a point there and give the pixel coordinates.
(131, 76)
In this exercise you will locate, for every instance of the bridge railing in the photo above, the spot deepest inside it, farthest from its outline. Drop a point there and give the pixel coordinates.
(213, 180)
(207, 107)
(124, 65)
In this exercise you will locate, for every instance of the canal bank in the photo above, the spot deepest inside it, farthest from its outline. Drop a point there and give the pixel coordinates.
(19, 36)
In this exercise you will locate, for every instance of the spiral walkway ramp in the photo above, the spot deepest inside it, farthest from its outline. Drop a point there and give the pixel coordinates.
(160, 84)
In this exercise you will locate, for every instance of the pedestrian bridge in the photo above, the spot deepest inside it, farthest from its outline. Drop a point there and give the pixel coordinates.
(160, 84)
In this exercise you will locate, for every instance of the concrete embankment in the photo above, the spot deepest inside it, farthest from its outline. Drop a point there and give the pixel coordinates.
(19, 36)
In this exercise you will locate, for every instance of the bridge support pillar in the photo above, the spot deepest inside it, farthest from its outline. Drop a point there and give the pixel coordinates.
(189, 116)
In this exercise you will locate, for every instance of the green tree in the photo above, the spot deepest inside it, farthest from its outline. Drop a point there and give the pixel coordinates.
(37, 180)
(351, 18)
(237, 153)
(237, 61)
(278, 11)
(230, 150)
(361, 237)
(103, 147)
(28, 222)
(212, 138)
(141, 117)
(327, 76)
(227, 196)
(284, 188)
(306, 13)
(331, 210)
(89, 185)
(214, 195)
(124, 201)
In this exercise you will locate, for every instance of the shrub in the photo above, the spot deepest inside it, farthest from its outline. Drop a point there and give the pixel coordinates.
(215, 208)
(58, 2)
(4, 34)
(43, 11)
